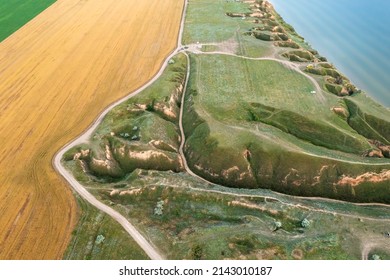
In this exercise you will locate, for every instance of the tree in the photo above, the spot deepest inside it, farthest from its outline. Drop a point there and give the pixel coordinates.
(305, 223)
(99, 239)
(277, 225)
(158, 210)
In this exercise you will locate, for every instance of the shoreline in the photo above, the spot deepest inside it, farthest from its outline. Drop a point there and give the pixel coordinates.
(344, 65)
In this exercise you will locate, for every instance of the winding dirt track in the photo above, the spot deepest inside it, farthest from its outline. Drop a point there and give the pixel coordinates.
(56, 74)
(134, 233)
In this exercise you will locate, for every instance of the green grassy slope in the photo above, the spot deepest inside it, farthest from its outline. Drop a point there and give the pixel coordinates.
(198, 224)
(87, 242)
(266, 91)
(16, 13)
(267, 130)
(206, 22)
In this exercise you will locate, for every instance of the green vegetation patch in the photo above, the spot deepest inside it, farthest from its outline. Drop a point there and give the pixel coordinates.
(16, 13)
(266, 82)
(207, 22)
(368, 125)
(195, 222)
(314, 131)
(242, 159)
(255, 86)
(99, 237)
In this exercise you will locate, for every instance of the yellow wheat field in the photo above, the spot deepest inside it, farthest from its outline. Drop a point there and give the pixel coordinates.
(56, 74)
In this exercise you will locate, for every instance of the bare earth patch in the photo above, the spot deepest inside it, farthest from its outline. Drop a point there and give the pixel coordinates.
(366, 177)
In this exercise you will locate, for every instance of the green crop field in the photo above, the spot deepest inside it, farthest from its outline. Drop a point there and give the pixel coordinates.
(16, 13)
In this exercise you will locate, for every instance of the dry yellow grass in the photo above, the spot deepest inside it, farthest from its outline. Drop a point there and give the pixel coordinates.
(56, 74)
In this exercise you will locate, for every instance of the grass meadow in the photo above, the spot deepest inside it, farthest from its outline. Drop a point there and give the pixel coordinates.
(198, 224)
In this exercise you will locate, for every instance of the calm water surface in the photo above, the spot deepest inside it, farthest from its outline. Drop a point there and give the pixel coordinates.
(353, 34)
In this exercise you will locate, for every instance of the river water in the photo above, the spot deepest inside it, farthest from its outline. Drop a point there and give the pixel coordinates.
(353, 34)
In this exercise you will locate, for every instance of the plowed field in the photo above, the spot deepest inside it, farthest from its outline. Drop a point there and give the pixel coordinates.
(56, 74)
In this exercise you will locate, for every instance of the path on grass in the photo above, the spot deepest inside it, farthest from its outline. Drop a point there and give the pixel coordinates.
(291, 65)
(80, 189)
(275, 199)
